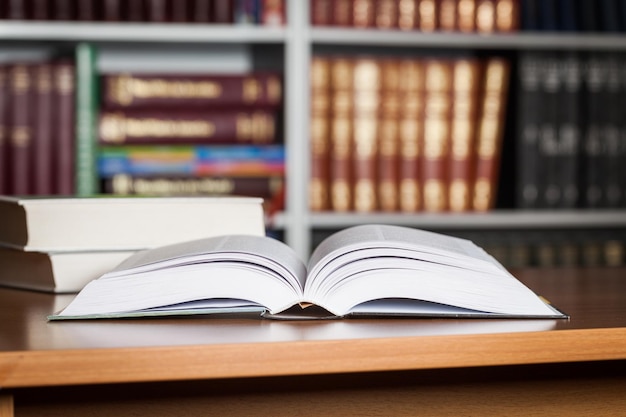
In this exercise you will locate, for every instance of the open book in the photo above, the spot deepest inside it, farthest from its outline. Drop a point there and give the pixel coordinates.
(362, 270)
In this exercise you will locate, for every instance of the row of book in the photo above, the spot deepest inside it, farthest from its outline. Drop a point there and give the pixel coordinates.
(406, 134)
(259, 12)
(37, 113)
(573, 15)
(191, 134)
(571, 134)
(467, 16)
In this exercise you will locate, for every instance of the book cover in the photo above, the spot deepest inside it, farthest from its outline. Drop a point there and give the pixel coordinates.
(466, 10)
(126, 90)
(386, 14)
(158, 125)
(364, 13)
(448, 16)
(20, 144)
(43, 128)
(408, 18)
(321, 12)
(428, 12)
(508, 15)
(393, 270)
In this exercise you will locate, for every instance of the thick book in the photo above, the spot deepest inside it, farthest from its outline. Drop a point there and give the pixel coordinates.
(124, 90)
(363, 270)
(55, 272)
(118, 223)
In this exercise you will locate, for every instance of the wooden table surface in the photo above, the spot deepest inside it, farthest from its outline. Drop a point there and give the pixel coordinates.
(35, 352)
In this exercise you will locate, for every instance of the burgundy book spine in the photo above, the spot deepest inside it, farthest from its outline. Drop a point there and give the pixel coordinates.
(4, 128)
(64, 85)
(153, 90)
(43, 127)
(21, 134)
(223, 11)
(112, 11)
(189, 126)
(201, 11)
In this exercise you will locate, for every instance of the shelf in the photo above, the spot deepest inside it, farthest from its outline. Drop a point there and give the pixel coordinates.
(140, 32)
(534, 40)
(505, 219)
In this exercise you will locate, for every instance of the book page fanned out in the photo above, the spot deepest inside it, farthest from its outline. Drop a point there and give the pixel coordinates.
(359, 271)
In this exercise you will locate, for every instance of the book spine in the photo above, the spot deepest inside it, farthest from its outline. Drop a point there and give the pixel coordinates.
(179, 10)
(490, 133)
(135, 90)
(321, 12)
(201, 11)
(65, 141)
(448, 16)
(319, 195)
(428, 15)
(240, 160)
(43, 158)
(21, 131)
(223, 11)
(528, 113)
(112, 11)
(466, 90)
(64, 10)
(437, 122)
(386, 14)
(86, 11)
(341, 134)
(611, 133)
(550, 196)
(273, 13)
(86, 180)
(41, 10)
(342, 13)
(570, 129)
(157, 10)
(164, 126)
(508, 15)
(4, 128)
(133, 11)
(486, 16)
(122, 184)
(408, 18)
(388, 137)
(363, 13)
(411, 134)
(466, 10)
(366, 97)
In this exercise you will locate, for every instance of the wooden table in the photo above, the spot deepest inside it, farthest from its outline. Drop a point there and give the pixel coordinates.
(244, 365)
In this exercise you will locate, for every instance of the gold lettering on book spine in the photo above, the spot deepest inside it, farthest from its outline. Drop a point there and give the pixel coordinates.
(434, 195)
(124, 89)
(427, 10)
(116, 128)
(466, 10)
(407, 14)
(459, 195)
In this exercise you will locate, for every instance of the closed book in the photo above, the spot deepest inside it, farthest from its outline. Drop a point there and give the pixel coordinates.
(448, 15)
(466, 93)
(411, 134)
(319, 183)
(388, 183)
(508, 15)
(111, 11)
(201, 11)
(428, 12)
(273, 13)
(363, 13)
(239, 160)
(485, 16)
(86, 134)
(551, 87)
(64, 10)
(267, 187)
(386, 14)
(4, 128)
(21, 135)
(342, 13)
(223, 11)
(466, 20)
(341, 128)
(133, 10)
(529, 168)
(186, 126)
(408, 17)
(490, 133)
(124, 90)
(44, 122)
(613, 143)
(120, 223)
(436, 140)
(64, 82)
(365, 133)
(55, 272)
(321, 12)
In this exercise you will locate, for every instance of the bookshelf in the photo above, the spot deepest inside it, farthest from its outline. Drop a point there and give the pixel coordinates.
(290, 48)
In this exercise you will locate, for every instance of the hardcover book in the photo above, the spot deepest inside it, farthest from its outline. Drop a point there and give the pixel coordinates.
(359, 271)
(116, 223)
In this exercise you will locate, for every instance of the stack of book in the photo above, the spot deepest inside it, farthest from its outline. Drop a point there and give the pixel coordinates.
(406, 134)
(259, 12)
(464, 16)
(60, 244)
(191, 134)
(37, 125)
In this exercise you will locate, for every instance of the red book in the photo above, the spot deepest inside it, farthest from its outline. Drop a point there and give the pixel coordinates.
(134, 11)
(223, 11)
(64, 10)
(21, 130)
(188, 126)
(43, 122)
(319, 195)
(201, 11)
(342, 13)
(112, 11)
(4, 128)
(321, 12)
(155, 90)
(64, 143)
